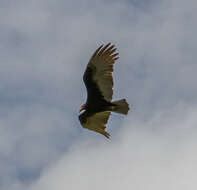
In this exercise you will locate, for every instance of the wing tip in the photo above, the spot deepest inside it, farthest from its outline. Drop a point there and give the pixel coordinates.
(106, 134)
(108, 49)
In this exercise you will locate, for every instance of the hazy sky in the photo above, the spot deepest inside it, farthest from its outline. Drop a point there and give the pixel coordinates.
(45, 46)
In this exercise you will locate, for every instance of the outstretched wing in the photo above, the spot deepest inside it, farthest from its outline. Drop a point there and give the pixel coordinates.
(96, 122)
(98, 75)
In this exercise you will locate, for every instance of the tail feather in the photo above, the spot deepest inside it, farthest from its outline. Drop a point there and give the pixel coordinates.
(121, 106)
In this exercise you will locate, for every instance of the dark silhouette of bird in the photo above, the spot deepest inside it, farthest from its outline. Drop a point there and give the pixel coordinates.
(99, 83)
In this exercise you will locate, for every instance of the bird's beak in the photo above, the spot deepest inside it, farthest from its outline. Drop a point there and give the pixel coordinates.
(81, 108)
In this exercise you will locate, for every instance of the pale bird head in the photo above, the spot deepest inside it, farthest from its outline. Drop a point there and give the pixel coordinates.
(83, 107)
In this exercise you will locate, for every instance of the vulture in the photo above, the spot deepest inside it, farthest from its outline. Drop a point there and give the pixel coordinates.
(99, 84)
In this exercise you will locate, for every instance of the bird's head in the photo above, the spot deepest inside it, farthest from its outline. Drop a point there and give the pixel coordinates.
(83, 107)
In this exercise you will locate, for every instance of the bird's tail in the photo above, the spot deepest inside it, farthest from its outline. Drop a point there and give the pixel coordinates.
(121, 106)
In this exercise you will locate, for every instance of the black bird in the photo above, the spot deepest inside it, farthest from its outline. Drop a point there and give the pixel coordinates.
(99, 83)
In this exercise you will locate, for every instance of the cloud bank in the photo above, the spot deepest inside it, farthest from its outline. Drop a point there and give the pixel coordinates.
(45, 46)
(140, 157)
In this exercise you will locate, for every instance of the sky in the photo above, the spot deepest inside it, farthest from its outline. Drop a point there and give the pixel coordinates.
(45, 46)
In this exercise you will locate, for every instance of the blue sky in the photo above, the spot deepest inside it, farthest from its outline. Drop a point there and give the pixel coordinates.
(44, 49)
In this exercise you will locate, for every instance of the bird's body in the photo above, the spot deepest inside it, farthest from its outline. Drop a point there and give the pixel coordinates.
(99, 84)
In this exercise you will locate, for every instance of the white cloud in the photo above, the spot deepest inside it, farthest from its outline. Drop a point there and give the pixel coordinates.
(158, 154)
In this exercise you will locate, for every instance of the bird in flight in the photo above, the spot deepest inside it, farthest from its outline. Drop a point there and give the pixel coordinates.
(99, 84)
